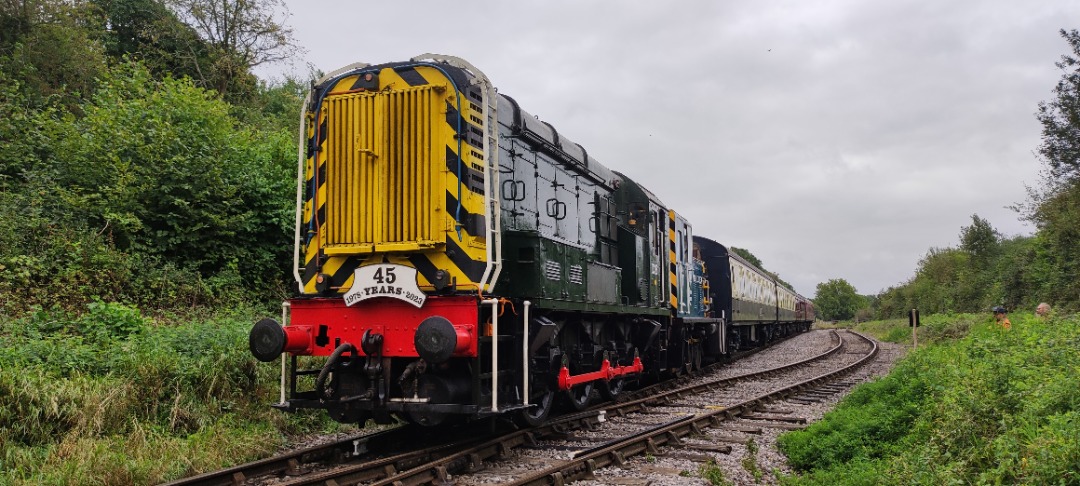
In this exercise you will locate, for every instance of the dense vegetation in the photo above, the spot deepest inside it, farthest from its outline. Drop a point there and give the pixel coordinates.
(146, 201)
(109, 396)
(122, 177)
(984, 271)
(837, 300)
(981, 404)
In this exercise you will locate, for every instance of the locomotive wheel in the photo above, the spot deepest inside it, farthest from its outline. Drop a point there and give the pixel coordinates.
(611, 389)
(542, 403)
(578, 396)
(695, 357)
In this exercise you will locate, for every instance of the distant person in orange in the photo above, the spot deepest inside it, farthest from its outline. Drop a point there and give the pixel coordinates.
(1001, 318)
(1042, 310)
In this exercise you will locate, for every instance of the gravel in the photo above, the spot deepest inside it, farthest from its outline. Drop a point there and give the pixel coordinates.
(754, 458)
(740, 466)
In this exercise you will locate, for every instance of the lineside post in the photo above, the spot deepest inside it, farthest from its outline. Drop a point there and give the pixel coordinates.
(913, 321)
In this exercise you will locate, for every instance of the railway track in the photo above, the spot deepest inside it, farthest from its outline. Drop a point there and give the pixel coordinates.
(678, 421)
(379, 458)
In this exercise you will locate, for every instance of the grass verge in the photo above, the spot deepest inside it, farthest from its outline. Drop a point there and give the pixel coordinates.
(110, 396)
(977, 404)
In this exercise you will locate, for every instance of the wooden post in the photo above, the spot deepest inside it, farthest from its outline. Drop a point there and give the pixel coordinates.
(913, 321)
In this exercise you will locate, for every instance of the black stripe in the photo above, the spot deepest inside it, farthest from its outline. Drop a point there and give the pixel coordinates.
(321, 209)
(362, 84)
(345, 271)
(473, 134)
(452, 116)
(471, 268)
(322, 215)
(410, 76)
(472, 178)
(423, 266)
(310, 270)
(472, 223)
(673, 268)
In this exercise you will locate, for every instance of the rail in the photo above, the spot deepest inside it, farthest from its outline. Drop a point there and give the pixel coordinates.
(436, 462)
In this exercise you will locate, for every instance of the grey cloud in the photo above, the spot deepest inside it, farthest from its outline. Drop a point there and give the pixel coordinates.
(832, 139)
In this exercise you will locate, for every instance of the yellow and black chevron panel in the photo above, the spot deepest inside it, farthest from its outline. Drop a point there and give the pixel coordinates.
(673, 276)
(395, 172)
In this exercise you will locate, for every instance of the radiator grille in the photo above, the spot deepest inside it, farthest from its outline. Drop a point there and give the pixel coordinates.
(381, 187)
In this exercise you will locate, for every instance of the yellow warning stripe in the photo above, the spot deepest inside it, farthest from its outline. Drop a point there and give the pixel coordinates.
(443, 135)
(672, 266)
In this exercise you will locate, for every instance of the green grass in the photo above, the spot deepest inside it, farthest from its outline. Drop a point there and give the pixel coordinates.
(976, 405)
(933, 328)
(110, 396)
(711, 472)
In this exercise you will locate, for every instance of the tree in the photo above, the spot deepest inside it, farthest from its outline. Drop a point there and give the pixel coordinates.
(51, 47)
(164, 170)
(147, 30)
(1060, 118)
(1055, 209)
(980, 241)
(240, 34)
(746, 255)
(837, 300)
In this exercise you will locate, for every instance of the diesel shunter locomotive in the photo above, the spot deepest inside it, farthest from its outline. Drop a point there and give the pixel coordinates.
(457, 258)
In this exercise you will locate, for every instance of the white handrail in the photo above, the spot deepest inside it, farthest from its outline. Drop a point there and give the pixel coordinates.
(525, 352)
(300, 145)
(494, 352)
(285, 308)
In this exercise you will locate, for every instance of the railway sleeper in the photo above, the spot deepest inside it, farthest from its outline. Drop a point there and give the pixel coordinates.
(774, 417)
(723, 449)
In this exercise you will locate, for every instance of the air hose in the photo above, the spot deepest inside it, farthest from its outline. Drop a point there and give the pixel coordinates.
(331, 362)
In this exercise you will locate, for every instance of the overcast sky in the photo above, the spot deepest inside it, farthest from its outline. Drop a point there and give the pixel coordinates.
(833, 139)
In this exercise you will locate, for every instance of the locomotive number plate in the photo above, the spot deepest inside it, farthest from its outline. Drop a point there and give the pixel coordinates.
(385, 280)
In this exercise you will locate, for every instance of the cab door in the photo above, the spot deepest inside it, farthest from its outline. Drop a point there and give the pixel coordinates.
(658, 255)
(681, 270)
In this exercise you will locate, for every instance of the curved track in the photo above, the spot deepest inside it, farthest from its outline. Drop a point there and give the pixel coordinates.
(380, 459)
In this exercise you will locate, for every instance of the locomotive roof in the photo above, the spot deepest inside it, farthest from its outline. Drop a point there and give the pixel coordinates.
(541, 134)
(544, 135)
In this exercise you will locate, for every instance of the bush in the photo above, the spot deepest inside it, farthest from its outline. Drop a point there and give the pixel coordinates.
(111, 394)
(994, 406)
(149, 193)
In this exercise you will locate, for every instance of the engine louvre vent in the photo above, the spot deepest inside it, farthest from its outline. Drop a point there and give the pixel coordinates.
(575, 274)
(553, 270)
